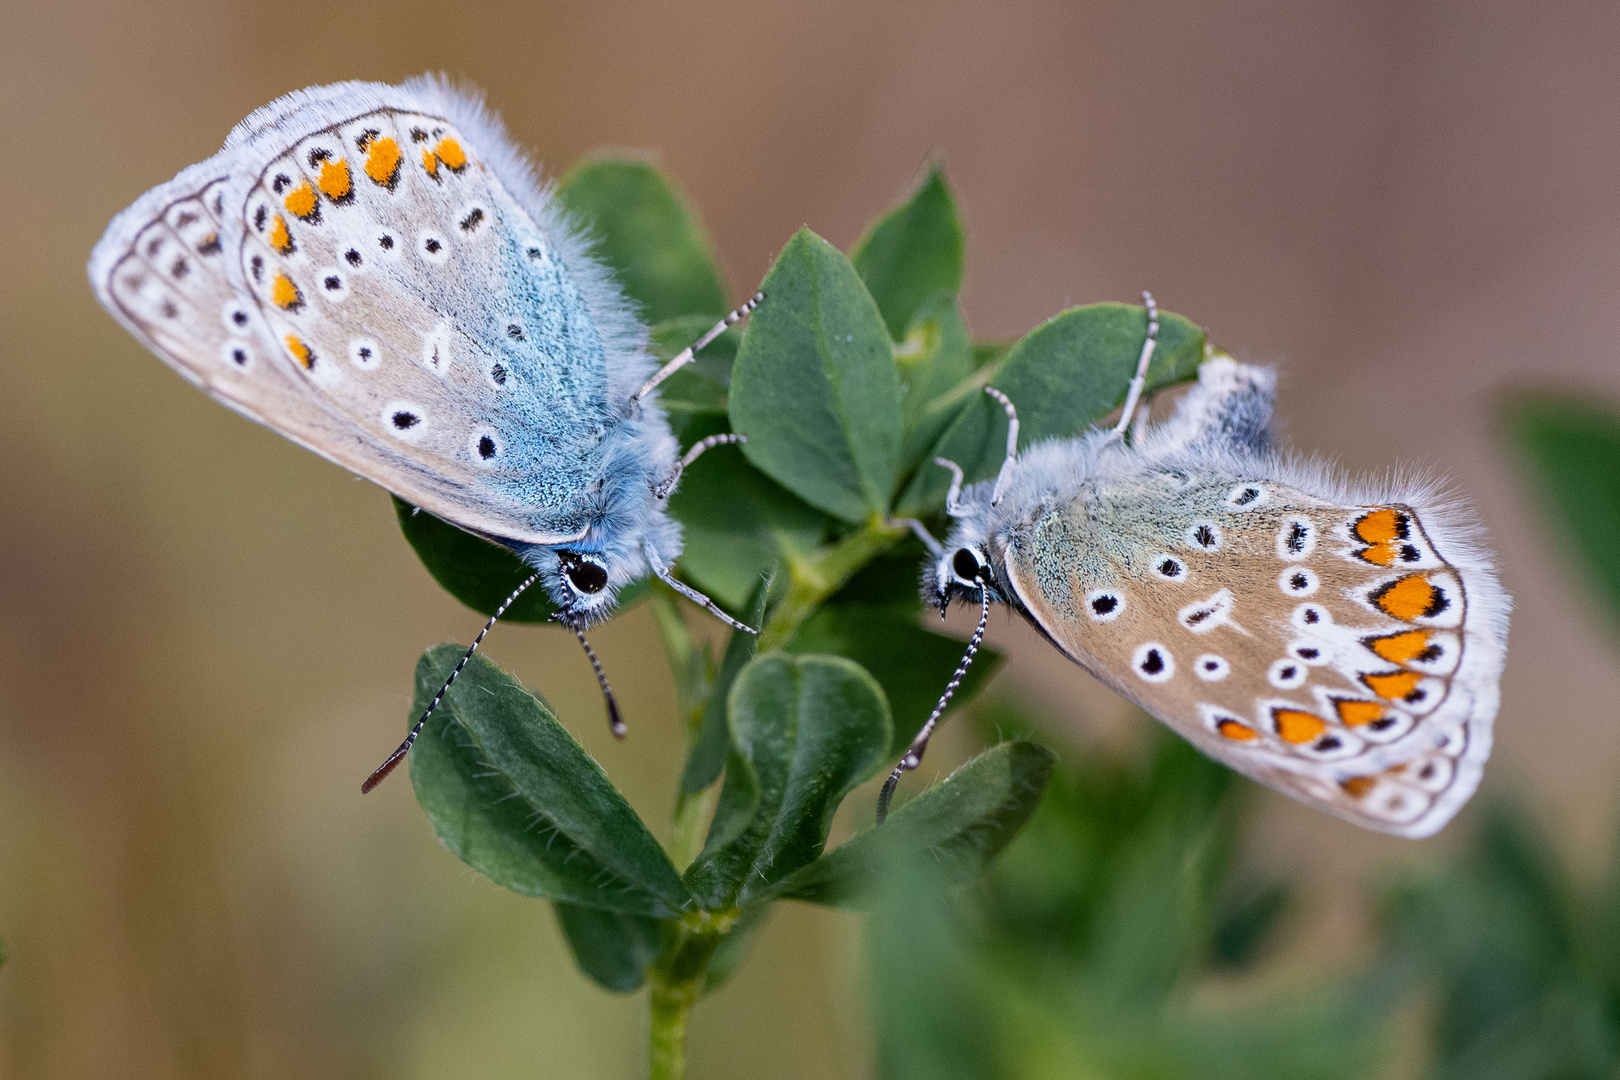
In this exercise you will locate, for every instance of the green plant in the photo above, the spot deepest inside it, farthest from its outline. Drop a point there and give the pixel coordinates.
(851, 376)
(1077, 955)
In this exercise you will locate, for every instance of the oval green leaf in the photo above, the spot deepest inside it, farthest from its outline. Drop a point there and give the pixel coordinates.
(614, 949)
(913, 252)
(815, 387)
(1064, 376)
(957, 826)
(804, 731)
(646, 235)
(512, 795)
(912, 664)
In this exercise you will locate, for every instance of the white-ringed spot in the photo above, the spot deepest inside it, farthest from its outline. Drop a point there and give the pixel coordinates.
(1202, 616)
(1204, 534)
(1287, 674)
(236, 319)
(433, 247)
(436, 349)
(333, 284)
(1168, 567)
(1246, 496)
(1211, 668)
(1296, 538)
(1153, 662)
(404, 420)
(485, 447)
(1298, 581)
(1311, 617)
(1309, 652)
(237, 354)
(1105, 605)
(364, 353)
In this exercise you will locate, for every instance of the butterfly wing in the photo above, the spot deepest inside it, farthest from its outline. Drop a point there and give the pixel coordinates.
(1344, 654)
(370, 271)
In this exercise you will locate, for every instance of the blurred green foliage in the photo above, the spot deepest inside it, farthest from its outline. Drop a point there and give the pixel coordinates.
(1076, 954)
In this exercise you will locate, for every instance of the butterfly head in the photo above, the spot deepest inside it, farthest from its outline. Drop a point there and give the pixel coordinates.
(963, 571)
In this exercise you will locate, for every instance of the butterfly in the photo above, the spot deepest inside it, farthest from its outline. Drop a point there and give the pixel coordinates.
(376, 273)
(1339, 642)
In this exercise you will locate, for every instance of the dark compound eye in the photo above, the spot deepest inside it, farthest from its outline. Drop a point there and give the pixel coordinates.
(586, 576)
(965, 564)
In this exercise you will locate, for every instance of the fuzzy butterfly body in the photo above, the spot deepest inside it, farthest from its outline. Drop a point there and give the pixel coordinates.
(373, 272)
(1339, 644)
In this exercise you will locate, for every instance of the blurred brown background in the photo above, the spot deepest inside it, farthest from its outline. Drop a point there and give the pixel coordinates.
(206, 634)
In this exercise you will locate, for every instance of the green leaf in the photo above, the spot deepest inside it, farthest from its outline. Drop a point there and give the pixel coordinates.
(708, 753)
(913, 252)
(512, 795)
(646, 235)
(935, 356)
(958, 825)
(739, 523)
(815, 387)
(1064, 376)
(616, 950)
(1572, 446)
(804, 731)
(471, 569)
(910, 663)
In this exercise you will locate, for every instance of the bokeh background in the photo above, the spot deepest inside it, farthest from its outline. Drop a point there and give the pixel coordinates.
(207, 634)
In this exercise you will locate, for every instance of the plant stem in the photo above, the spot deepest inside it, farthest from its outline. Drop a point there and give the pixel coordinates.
(666, 1047)
(814, 579)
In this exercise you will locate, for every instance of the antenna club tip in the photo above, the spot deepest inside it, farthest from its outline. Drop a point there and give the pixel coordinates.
(382, 771)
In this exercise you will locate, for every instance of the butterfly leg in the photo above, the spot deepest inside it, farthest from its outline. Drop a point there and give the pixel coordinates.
(692, 594)
(382, 771)
(667, 484)
(935, 548)
(1012, 443)
(685, 356)
(1135, 393)
(919, 745)
(953, 497)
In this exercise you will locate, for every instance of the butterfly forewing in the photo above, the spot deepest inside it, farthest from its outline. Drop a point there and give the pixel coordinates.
(1322, 649)
(365, 284)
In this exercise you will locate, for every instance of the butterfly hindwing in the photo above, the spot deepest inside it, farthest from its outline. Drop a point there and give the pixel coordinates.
(1331, 651)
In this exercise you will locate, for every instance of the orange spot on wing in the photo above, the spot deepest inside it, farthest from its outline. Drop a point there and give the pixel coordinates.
(1409, 598)
(303, 353)
(450, 152)
(1382, 525)
(284, 294)
(1393, 686)
(382, 161)
(1297, 727)
(301, 200)
(1234, 730)
(430, 162)
(1355, 713)
(280, 238)
(335, 182)
(1399, 648)
(1357, 786)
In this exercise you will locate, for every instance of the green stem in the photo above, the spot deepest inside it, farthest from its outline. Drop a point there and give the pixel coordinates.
(814, 579)
(666, 1048)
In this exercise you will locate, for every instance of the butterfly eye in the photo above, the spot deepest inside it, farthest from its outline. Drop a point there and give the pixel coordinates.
(966, 565)
(585, 573)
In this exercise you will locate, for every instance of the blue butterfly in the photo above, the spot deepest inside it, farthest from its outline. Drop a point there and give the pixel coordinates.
(376, 273)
